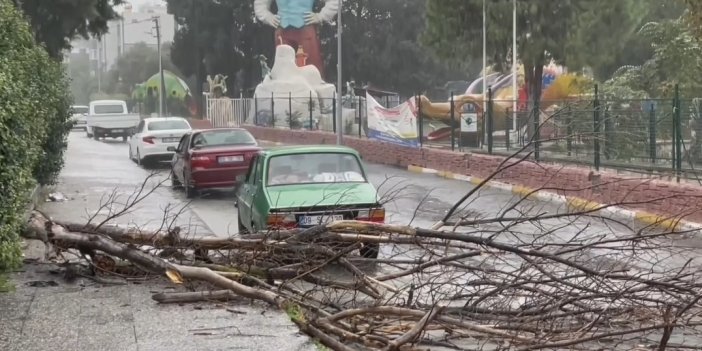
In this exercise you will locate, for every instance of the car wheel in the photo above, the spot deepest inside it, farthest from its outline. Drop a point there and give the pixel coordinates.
(124, 138)
(242, 228)
(175, 183)
(190, 191)
(369, 250)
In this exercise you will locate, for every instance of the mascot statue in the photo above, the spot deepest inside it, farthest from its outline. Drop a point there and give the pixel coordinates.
(217, 86)
(296, 24)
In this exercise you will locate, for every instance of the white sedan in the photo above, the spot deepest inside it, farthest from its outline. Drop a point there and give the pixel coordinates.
(153, 136)
(78, 113)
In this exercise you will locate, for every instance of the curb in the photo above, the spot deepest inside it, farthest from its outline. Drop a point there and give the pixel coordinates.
(265, 143)
(571, 202)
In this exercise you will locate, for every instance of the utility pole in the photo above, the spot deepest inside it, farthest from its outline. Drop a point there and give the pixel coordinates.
(484, 67)
(162, 90)
(339, 83)
(99, 64)
(515, 93)
(122, 34)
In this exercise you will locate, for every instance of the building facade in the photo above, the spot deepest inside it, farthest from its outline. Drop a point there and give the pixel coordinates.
(134, 27)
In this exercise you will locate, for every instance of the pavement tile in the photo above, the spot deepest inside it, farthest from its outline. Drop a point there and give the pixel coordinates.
(10, 332)
(14, 306)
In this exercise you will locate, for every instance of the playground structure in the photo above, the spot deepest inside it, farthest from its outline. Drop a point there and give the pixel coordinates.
(557, 86)
(178, 100)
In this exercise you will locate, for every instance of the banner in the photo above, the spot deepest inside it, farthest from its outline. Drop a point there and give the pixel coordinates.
(397, 125)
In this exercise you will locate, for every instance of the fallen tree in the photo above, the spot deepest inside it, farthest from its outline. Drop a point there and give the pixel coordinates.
(522, 280)
(524, 295)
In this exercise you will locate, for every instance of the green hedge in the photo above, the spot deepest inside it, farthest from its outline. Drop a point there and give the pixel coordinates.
(34, 111)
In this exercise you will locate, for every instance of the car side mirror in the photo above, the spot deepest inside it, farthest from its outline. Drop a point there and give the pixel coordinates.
(171, 148)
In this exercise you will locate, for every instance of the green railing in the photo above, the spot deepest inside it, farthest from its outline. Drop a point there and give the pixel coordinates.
(645, 135)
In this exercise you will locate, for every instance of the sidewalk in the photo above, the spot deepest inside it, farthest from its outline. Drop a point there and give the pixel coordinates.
(86, 316)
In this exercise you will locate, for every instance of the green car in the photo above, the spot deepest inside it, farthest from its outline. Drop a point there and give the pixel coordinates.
(304, 186)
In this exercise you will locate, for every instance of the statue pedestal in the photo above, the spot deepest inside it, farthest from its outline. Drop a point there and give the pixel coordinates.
(284, 97)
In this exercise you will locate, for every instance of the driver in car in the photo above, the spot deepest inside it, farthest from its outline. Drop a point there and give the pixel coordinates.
(199, 140)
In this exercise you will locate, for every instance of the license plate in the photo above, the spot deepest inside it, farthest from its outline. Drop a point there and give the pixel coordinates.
(117, 130)
(317, 220)
(230, 159)
(171, 140)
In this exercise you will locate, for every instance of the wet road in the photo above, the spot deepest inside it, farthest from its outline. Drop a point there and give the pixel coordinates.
(410, 198)
(417, 199)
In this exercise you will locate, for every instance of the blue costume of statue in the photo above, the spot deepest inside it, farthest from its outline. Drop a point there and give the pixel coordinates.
(292, 12)
(296, 24)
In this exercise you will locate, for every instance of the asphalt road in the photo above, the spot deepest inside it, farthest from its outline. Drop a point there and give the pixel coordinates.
(410, 198)
(104, 167)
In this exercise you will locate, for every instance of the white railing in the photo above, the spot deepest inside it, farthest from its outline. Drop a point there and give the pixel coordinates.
(275, 112)
(226, 112)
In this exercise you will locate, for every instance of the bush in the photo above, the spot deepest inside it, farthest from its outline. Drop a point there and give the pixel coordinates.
(34, 104)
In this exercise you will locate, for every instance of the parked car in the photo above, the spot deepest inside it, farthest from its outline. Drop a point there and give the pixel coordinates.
(78, 116)
(153, 136)
(110, 118)
(211, 159)
(304, 186)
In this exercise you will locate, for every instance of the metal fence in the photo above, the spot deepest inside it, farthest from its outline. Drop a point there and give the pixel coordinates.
(291, 112)
(652, 135)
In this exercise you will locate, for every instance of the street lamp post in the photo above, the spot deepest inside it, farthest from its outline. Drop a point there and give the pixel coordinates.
(484, 49)
(339, 83)
(514, 66)
(484, 65)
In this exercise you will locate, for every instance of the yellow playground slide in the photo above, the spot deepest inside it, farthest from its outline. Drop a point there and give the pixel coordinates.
(563, 88)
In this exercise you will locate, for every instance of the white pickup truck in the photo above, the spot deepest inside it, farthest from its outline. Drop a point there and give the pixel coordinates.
(110, 118)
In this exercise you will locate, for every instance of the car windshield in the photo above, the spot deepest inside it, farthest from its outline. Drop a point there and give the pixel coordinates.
(314, 168)
(223, 138)
(168, 125)
(105, 109)
(79, 109)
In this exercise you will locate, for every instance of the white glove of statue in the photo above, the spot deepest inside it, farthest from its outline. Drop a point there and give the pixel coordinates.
(271, 19)
(313, 18)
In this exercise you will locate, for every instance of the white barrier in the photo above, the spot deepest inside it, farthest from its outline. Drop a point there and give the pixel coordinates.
(226, 112)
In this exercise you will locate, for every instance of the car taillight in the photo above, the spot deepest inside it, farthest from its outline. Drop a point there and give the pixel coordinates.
(281, 221)
(200, 161)
(376, 215)
(148, 139)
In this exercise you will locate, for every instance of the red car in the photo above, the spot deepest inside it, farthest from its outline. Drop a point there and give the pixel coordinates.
(212, 159)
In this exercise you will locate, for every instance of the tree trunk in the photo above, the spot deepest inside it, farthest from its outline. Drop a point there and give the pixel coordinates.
(199, 77)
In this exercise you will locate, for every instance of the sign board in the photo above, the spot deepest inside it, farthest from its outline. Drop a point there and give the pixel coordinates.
(469, 122)
(397, 125)
(469, 118)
